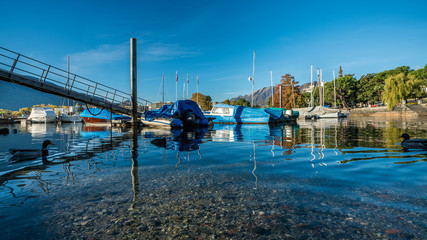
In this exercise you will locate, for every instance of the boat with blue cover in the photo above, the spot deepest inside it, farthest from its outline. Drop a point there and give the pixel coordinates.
(183, 113)
(102, 116)
(281, 115)
(233, 114)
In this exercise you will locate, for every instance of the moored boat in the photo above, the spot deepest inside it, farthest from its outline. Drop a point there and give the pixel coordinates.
(232, 114)
(281, 115)
(42, 115)
(65, 116)
(183, 113)
(102, 116)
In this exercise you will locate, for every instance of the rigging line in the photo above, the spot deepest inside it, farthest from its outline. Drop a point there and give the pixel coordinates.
(87, 107)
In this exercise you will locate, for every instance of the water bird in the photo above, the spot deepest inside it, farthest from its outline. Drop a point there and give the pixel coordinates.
(408, 143)
(4, 131)
(28, 154)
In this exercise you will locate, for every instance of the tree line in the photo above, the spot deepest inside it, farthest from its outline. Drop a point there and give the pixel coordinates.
(390, 87)
(4, 113)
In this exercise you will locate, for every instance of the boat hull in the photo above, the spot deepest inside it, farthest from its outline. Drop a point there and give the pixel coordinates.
(163, 123)
(70, 119)
(48, 119)
(95, 120)
(232, 120)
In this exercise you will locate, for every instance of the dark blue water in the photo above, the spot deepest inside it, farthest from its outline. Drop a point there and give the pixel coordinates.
(311, 180)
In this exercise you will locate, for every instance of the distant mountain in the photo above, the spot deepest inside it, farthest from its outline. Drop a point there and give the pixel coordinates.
(261, 97)
(13, 97)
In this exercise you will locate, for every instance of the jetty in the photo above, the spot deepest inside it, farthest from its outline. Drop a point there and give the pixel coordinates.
(25, 71)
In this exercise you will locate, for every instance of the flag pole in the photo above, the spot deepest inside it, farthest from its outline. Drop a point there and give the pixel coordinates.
(197, 89)
(187, 85)
(176, 86)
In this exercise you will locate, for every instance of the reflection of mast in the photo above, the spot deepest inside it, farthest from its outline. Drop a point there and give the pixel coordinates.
(321, 155)
(312, 145)
(177, 155)
(164, 157)
(336, 141)
(134, 170)
(253, 171)
(311, 87)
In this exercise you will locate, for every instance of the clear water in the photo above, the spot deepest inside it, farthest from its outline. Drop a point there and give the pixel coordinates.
(312, 180)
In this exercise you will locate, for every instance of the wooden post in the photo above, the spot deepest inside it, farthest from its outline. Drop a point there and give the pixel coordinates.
(133, 85)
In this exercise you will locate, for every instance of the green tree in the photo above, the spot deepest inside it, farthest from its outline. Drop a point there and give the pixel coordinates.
(205, 102)
(340, 75)
(242, 102)
(421, 76)
(24, 111)
(226, 101)
(370, 88)
(346, 88)
(395, 90)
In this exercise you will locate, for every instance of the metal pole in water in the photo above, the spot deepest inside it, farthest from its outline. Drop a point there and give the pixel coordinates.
(133, 78)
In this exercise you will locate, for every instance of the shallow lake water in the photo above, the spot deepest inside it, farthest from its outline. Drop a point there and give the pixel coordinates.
(334, 179)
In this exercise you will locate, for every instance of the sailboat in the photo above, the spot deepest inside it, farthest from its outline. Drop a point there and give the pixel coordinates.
(65, 114)
(320, 111)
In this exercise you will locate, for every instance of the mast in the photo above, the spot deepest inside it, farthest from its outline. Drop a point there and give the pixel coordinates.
(163, 98)
(183, 92)
(197, 89)
(187, 85)
(272, 92)
(176, 87)
(68, 78)
(311, 86)
(335, 91)
(253, 81)
(293, 98)
(323, 87)
(318, 84)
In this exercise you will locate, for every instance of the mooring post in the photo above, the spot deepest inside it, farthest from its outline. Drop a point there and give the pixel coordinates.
(133, 86)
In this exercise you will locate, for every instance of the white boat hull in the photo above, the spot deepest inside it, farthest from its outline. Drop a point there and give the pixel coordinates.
(48, 119)
(158, 123)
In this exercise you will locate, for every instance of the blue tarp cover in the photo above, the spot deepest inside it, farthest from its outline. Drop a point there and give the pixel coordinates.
(175, 110)
(104, 114)
(244, 112)
(275, 113)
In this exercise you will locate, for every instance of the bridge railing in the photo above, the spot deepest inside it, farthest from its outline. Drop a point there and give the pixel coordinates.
(47, 74)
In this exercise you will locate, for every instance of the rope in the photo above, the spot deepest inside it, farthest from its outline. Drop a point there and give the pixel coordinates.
(87, 108)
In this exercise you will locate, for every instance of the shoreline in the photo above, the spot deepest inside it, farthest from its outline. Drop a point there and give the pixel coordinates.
(414, 110)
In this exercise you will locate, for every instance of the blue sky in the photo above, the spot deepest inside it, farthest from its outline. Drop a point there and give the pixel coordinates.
(216, 39)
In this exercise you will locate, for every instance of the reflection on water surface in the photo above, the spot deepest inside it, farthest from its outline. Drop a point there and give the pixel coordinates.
(315, 179)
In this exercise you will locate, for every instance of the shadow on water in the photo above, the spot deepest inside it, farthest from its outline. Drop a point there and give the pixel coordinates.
(180, 140)
(76, 143)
